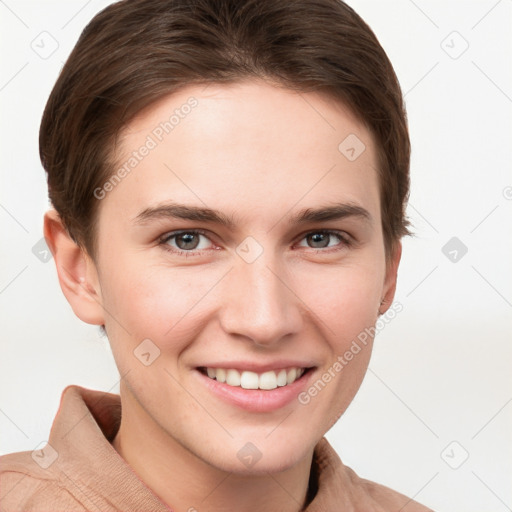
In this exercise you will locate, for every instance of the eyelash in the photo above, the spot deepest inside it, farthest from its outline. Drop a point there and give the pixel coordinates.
(344, 239)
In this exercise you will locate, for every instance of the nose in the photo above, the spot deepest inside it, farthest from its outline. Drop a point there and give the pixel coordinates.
(259, 302)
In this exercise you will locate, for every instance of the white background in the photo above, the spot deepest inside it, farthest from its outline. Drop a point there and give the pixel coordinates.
(440, 371)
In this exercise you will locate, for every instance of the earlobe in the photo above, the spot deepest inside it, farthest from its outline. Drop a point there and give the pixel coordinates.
(389, 289)
(76, 271)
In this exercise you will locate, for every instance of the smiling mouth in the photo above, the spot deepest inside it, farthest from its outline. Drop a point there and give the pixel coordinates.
(251, 380)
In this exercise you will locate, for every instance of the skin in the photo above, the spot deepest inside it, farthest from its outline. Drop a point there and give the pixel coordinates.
(261, 154)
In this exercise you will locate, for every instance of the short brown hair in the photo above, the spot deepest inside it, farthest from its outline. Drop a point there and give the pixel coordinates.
(134, 52)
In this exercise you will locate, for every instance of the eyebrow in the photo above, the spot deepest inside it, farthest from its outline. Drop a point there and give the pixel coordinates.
(204, 214)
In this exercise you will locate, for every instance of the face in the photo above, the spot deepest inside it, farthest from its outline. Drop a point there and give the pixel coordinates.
(245, 245)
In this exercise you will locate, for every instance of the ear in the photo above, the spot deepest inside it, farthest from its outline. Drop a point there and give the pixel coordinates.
(77, 272)
(389, 288)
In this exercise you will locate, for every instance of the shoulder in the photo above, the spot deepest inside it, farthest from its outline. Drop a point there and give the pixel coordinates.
(24, 486)
(385, 498)
(340, 484)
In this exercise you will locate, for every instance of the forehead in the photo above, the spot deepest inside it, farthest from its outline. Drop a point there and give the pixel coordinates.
(245, 147)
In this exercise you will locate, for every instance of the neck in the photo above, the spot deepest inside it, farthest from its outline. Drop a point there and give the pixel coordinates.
(186, 483)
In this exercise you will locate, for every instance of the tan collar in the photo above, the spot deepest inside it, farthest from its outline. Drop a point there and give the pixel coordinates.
(92, 470)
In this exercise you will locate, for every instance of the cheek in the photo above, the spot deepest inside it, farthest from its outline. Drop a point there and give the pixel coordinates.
(156, 302)
(345, 299)
(171, 305)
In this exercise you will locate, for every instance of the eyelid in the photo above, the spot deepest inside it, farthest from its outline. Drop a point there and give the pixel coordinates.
(162, 240)
(338, 232)
(346, 240)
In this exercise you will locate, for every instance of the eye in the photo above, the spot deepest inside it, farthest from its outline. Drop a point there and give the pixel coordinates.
(189, 243)
(185, 242)
(322, 239)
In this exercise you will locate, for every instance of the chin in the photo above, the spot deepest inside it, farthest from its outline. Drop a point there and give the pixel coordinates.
(262, 456)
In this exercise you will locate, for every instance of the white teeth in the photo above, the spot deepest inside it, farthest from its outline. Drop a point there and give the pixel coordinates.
(252, 380)
(291, 376)
(281, 378)
(268, 380)
(233, 378)
(249, 380)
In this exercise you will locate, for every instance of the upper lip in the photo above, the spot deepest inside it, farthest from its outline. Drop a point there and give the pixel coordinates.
(258, 367)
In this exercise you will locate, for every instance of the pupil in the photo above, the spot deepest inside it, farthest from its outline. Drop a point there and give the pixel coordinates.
(318, 240)
(188, 241)
(321, 238)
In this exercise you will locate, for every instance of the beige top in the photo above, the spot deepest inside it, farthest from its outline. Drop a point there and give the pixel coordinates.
(79, 470)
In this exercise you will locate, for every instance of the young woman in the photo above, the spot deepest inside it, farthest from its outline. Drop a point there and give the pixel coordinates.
(229, 182)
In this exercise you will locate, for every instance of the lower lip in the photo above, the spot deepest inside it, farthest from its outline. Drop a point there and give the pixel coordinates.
(257, 400)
